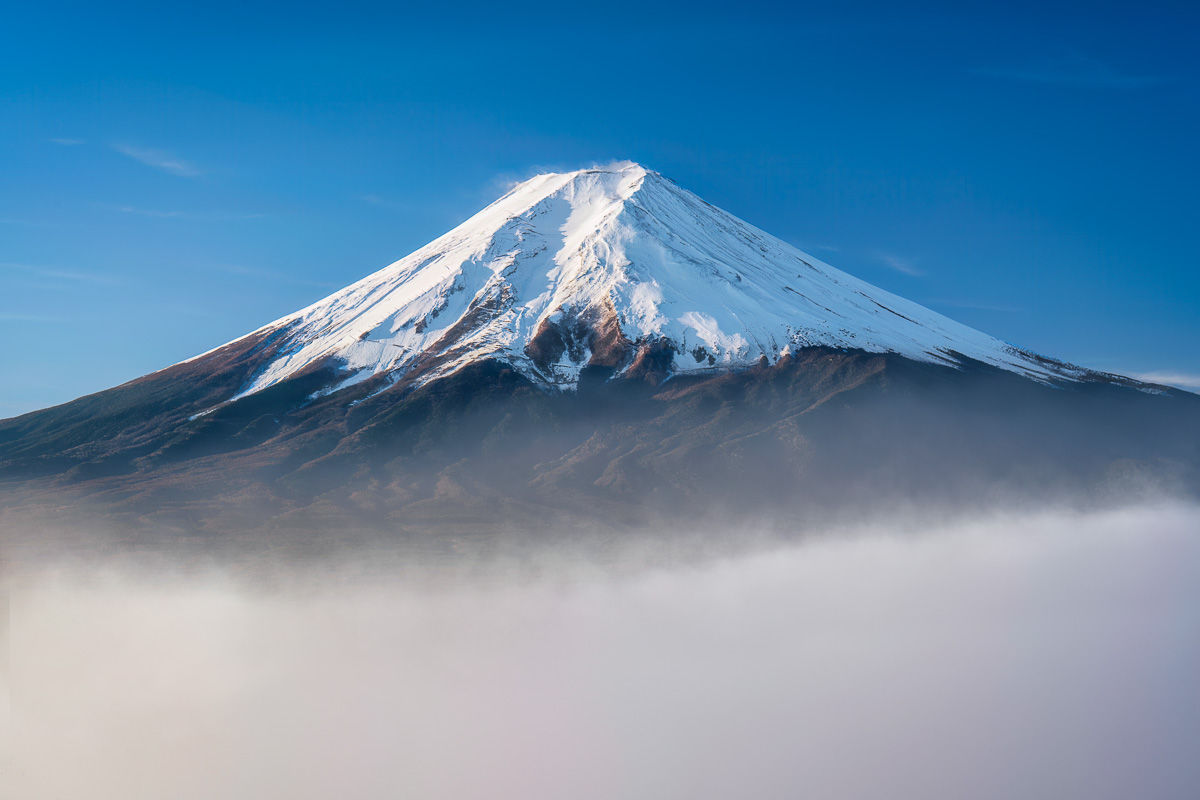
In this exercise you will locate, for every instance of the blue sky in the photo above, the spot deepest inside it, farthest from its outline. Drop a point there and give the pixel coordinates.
(173, 176)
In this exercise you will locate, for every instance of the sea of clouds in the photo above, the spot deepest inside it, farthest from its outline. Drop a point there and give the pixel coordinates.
(1046, 656)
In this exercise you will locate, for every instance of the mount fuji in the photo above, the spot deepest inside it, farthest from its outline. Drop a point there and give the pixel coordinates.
(608, 268)
(595, 349)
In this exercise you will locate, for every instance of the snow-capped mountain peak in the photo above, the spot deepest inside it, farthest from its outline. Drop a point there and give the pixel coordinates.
(606, 267)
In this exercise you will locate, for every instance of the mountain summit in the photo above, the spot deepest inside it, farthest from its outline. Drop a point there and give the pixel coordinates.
(616, 269)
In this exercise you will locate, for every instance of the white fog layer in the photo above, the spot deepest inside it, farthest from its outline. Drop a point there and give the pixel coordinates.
(1053, 656)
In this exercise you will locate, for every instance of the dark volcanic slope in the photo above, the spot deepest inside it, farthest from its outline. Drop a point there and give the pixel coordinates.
(819, 433)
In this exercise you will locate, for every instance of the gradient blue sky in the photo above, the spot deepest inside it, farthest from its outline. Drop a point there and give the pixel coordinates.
(173, 176)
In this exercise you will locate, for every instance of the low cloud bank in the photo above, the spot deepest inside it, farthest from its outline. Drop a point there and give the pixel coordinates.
(1046, 656)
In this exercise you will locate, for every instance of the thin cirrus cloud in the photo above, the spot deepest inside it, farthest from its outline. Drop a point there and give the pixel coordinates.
(159, 159)
(975, 306)
(273, 275)
(59, 274)
(193, 215)
(66, 142)
(150, 212)
(900, 264)
(1072, 69)
(6, 316)
(390, 204)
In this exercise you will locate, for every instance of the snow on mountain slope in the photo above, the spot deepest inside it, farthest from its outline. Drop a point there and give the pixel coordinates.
(599, 267)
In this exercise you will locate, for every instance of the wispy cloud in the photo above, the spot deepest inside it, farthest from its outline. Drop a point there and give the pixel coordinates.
(159, 159)
(198, 215)
(273, 275)
(384, 202)
(1180, 380)
(900, 264)
(31, 223)
(67, 142)
(6, 316)
(1073, 69)
(149, 212)
(975, 306)
(60, 274)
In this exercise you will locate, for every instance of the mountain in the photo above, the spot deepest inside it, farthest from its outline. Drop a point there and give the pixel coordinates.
(595, 349)
(610, 269)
